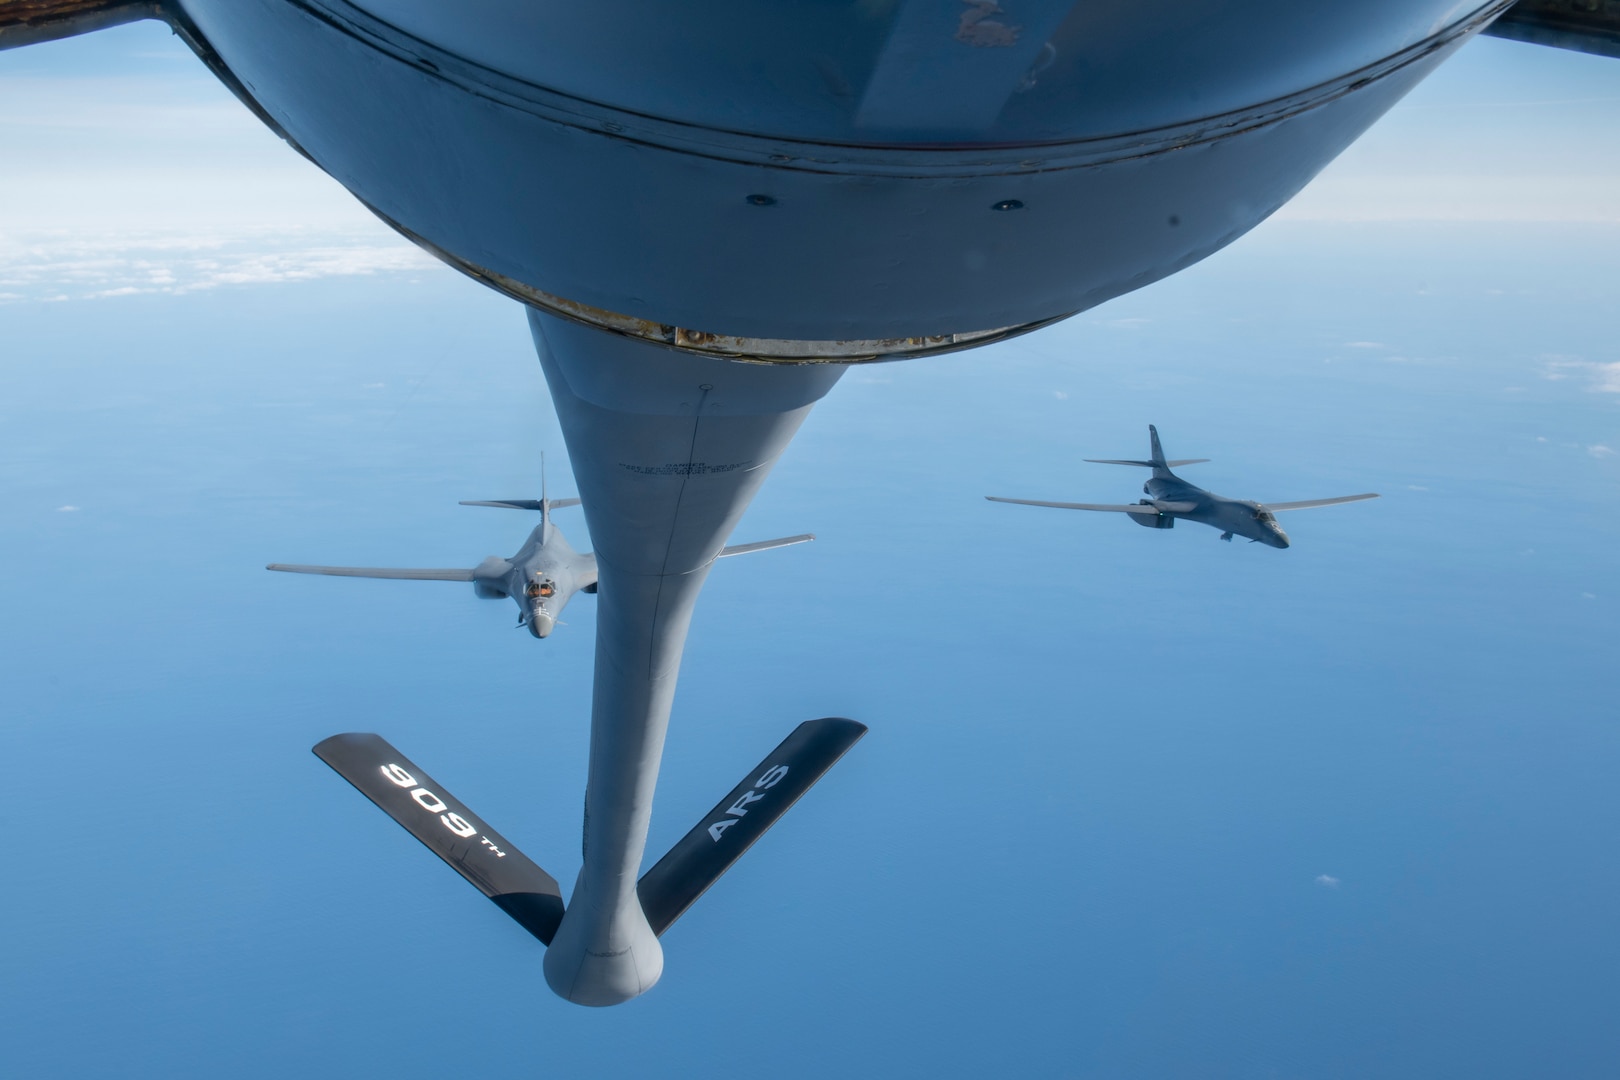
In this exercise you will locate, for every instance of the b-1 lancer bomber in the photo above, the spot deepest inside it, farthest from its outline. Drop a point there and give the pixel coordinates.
(1171, 498)
(541, 578)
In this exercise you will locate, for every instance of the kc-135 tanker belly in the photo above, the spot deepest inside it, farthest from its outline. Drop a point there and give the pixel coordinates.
(827, 173)
(773, 181)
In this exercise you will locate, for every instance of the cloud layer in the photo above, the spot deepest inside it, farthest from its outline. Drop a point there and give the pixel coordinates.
(1603, 378)
(60, 266)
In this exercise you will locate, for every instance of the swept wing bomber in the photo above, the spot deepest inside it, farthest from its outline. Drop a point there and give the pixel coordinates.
(1171, 498)
(541, 578)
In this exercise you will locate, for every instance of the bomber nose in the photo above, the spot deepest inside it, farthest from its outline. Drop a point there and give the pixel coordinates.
(1278, 537)
(541, 622)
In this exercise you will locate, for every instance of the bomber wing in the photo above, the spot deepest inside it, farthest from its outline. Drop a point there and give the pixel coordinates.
(1306, 504)
(1145, 509)
(375, 572)
(764, 545)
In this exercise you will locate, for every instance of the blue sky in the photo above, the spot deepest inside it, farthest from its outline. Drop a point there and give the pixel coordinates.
(1134, 803)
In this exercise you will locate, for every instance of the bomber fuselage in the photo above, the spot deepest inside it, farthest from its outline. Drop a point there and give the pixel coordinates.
(541, 578)
(1234, 517)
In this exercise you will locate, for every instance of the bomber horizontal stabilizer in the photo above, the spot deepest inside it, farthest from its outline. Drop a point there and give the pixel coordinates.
(764, 545)
(1145, 509)
(375, 572)
(1306, 504)
(520, 504)
(451, 831)
(1148, 464)
(702, 855)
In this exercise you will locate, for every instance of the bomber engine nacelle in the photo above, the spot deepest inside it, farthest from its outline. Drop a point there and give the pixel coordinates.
(1157, 521)
(487, 575)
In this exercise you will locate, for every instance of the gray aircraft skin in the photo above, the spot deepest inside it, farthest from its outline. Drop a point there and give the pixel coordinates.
(1171, 499)
(541, 578)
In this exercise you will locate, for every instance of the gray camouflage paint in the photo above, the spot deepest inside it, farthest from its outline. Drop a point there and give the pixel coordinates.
(1171, 499)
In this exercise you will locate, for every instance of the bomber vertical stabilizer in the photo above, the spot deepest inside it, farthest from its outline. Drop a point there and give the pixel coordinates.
(1161, 468)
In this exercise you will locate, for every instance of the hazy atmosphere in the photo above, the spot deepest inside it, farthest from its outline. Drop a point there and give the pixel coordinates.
(1134, 803)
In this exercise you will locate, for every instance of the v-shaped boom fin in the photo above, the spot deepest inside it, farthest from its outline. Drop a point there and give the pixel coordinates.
(431, 814)
(702, 855)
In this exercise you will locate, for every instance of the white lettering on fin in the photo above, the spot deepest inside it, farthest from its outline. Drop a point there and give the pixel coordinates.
(739, 808)
(397, 775)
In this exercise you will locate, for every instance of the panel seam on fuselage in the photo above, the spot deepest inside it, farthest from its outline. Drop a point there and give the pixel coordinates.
(675, 518)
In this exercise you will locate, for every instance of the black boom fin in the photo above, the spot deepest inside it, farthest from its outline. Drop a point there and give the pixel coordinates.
(775, 784)
(435, 817)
